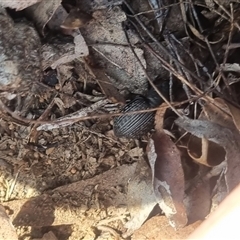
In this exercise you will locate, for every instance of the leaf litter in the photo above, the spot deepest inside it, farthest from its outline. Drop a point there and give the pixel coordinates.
(66, 68)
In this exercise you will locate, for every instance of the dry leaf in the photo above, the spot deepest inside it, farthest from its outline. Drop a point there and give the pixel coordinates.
(140, 195)
(108, 40)
(205, 152)
(76, 19)
(202, 150)
(168, 178)
(225, 137)
(219, 193)
(167, 173)
(42, 12)
(18, 4)
(121, 64)
(57, 53)
(108, 89)
(19, 67)
(218, 112)
(57, 19)
(198, 200)
(230, 67)
(235, 112)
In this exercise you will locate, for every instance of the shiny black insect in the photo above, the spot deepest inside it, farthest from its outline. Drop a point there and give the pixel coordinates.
(138, 124)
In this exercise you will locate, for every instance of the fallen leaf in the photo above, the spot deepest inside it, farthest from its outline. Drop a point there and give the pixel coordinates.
(235, 113)
(198, 196)
(42, 12)
(223, 136)
(57, 53)
(105, 35)
(107, 87)
(230, 67)
(76, 19)
(205, 152)
(141, 196)
(168, 178)
(18, 5)
(218, 112)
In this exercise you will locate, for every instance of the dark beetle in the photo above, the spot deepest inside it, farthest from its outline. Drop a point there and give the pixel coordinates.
(138, 124)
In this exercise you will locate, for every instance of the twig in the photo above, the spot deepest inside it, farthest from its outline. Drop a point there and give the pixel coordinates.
(70, 119)
(115, 64)
(163, 49)
(150, 81)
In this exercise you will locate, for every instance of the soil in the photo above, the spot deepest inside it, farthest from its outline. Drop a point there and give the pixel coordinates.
(71, 178)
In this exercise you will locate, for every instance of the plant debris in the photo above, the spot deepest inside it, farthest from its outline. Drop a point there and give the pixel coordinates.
(66, 70)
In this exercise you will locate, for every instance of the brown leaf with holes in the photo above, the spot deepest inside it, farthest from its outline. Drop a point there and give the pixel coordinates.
(167, 173)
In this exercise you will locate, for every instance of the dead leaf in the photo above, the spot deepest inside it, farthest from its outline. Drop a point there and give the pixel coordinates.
(222, 112)
(225, 137)
(18, 5)
(205, 152)
(107, 87)
(235, 112)
(141, 196)
(196, 32)
(230, 67)
(108, 40)
(18, 69)
(202, 150)
(42, 12)
(168, 178)
(159, 117)
(167, 173)
(121, 64)
(76, 19)
(57, 53)
(198, 194)
(218, 112)
(57, 19)
(219, 192)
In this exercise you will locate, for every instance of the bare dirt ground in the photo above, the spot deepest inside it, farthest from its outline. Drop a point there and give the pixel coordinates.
(66, 68)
